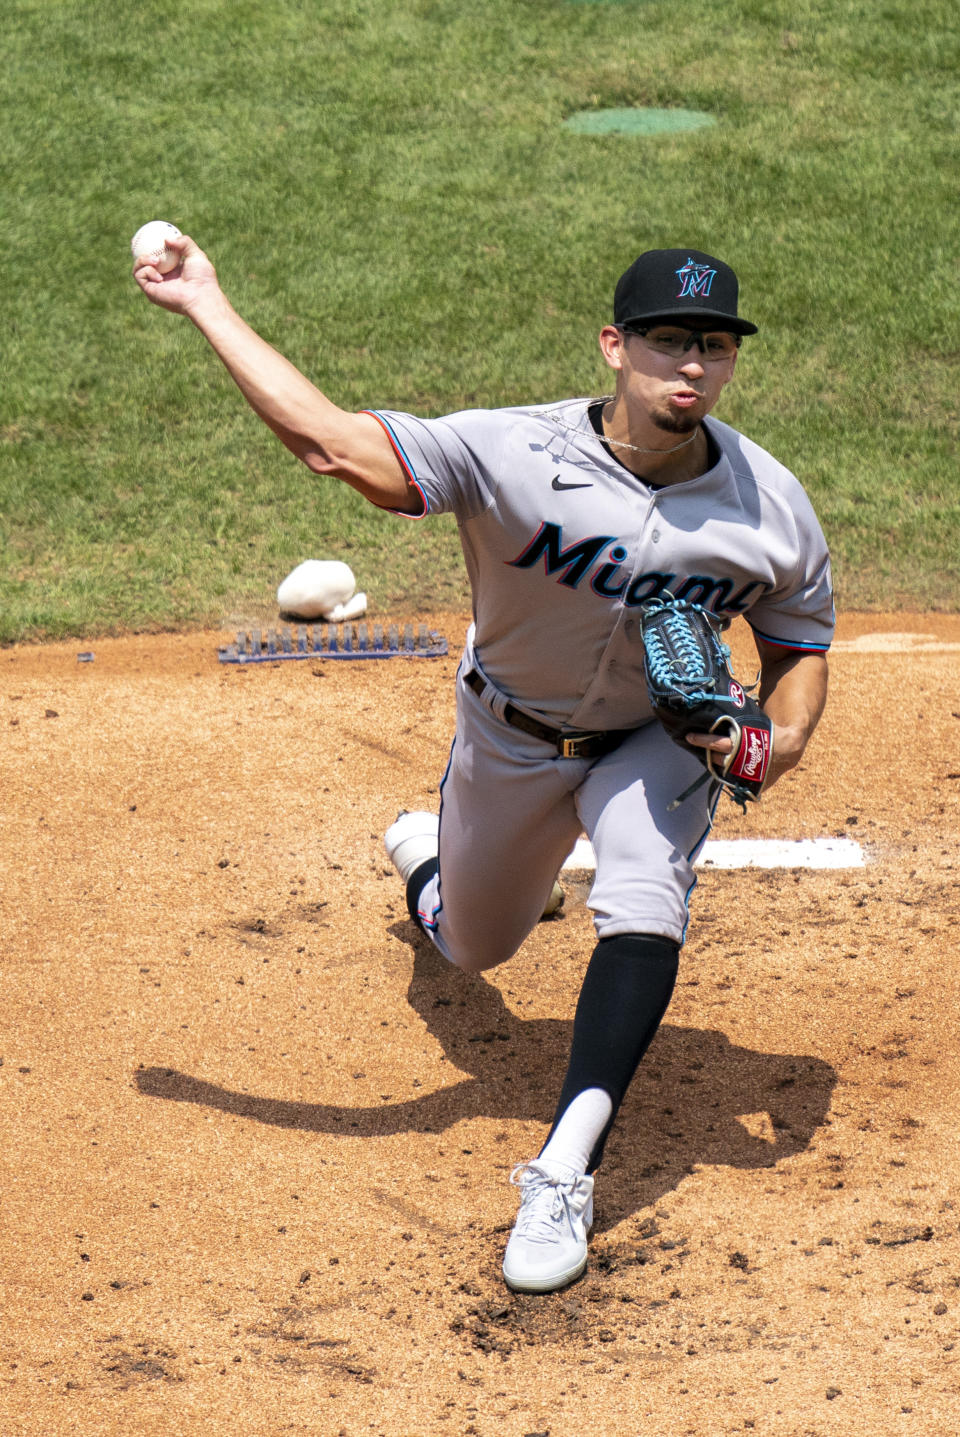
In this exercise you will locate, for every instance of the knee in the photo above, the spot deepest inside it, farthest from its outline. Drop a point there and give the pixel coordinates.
(477, 960)
(471, 954)
(474, 937)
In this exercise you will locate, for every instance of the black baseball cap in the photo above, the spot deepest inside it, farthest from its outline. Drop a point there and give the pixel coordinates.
(680, 284)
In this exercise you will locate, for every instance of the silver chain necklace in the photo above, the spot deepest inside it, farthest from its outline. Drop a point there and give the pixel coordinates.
(638, 448)
(620, 443)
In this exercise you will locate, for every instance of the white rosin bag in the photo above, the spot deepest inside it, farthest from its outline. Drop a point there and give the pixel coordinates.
(322, 589)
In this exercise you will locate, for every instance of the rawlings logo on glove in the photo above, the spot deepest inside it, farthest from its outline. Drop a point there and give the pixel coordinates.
(691, 690)
(752, 759)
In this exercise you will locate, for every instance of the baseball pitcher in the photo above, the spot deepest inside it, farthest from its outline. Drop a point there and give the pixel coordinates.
(597, 533)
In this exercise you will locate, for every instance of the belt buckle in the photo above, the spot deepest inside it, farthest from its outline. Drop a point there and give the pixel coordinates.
(570, 747)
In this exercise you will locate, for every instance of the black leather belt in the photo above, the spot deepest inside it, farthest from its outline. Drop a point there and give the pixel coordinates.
(571, 744)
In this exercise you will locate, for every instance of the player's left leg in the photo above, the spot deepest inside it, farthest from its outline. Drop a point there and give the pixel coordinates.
(645, 860)
(645, 851)
(625, 993)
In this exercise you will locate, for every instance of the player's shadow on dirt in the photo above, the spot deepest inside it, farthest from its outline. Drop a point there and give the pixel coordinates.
(697, 1100)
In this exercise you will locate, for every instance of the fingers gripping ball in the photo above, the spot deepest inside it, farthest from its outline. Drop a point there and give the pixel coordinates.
(692, 690)
(150, 242)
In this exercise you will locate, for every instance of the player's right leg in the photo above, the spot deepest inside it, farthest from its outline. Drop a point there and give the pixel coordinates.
(507, 821)
(412, 843)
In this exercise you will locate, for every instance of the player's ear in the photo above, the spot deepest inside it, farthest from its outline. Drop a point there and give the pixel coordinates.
(611, 345)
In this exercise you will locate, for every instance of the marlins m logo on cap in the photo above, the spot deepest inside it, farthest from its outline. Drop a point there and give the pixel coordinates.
(647, 291)
(696, 280)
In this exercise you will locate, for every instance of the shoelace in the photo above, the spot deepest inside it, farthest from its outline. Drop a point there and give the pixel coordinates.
(545, 1203)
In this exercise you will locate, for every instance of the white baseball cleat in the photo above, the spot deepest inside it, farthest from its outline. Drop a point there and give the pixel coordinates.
(411, 840)
(548, 1245)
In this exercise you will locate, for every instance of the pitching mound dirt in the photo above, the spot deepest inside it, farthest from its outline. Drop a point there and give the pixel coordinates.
(256, 1137)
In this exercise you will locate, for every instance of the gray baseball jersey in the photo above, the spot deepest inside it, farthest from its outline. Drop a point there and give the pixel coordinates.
(563, 545)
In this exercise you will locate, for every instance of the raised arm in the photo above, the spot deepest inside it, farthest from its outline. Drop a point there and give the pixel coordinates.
(329, 440)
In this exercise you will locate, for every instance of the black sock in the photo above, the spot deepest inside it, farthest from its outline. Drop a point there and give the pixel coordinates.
(626, 991)
(416, 883)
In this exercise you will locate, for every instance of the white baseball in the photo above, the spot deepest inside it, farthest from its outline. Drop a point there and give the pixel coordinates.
(150, 242)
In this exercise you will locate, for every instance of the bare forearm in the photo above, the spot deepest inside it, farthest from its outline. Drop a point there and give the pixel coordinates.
(328, 439)
(793, 692)
(293, 407)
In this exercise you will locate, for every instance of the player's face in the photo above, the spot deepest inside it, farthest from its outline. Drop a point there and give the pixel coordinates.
(672, 391)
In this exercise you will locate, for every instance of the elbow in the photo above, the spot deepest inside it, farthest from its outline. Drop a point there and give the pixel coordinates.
(318, 461)
(327, 456)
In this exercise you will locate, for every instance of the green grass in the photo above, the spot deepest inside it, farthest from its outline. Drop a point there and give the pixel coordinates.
(391, 198)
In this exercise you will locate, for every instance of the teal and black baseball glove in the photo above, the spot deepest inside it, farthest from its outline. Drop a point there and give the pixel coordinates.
(692, 690)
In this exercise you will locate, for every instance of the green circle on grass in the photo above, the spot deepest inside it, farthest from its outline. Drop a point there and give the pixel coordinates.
(640, 121)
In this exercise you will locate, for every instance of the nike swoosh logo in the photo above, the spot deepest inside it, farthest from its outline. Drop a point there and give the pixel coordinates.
(559, 485)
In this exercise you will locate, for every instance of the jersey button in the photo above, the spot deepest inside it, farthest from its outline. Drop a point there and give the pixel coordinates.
(656, 536)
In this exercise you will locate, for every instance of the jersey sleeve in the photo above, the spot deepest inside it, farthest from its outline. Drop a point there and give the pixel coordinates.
(453, 462)
(799, 613)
